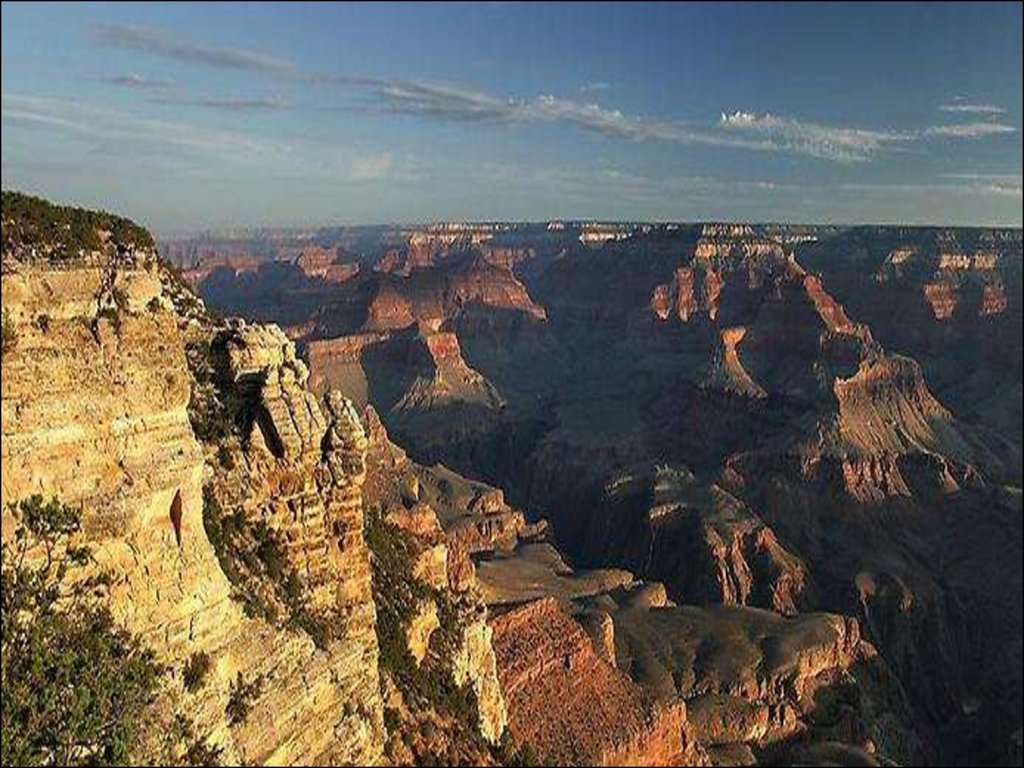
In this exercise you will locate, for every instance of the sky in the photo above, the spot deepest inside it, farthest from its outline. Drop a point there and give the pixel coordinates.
(199, 116)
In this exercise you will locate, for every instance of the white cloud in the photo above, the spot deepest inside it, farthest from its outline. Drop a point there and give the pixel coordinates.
(1008, 184)
(976, 130)
(446, 102)
(786, 134)
(269, 103)
(162, 43)
(372, 167)
(845, 144)
(133, 80)
(192, 147)
(103, 125)
(960, 106)
(744, 130)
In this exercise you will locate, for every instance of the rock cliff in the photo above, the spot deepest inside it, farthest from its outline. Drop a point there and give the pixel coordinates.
(573, 707)
(96, 410)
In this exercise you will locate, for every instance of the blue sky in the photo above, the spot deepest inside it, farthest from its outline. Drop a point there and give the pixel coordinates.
(213, 116)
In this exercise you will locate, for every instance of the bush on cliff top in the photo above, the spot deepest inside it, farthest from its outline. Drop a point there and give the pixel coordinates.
(196, 670)
(63, 232)
(75, 687)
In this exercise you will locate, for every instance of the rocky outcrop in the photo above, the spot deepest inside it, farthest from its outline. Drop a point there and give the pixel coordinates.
(96, 411)
(763, 682)
(572, 707)
(475, 666)
(727, 372)
(324, 263)
(950, 299)
(435, 508)
(454, 518)
(755, 354)
(299, 478)
(704, 544)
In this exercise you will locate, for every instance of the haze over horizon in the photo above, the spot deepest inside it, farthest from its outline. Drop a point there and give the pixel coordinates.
(218, 116)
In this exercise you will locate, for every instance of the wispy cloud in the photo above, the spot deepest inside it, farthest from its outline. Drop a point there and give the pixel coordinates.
(846, 144)
(162, 43)
(948, 185)
(595, 86)
(976, 130)
(86, 121)
(372, 167)
(971, 108)
(1009, 184)
(193, 147)
(455, 103)
(745, 130)
(139, 82)
(266, 104)
(842, 144)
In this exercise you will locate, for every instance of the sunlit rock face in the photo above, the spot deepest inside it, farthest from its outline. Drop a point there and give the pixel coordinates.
(573, 707)
(96, 411)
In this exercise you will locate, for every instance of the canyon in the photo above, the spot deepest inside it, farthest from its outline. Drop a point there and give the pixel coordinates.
(576, 493)
(761, 417)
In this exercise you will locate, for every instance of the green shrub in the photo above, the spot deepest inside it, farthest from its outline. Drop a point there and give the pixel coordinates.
(10, 333)
(196, 670)
(397, 594)
(243, 695)
(217, 410)
(261, 574)
(226, 457)
(62, 233)
(181, 746)
(392, 720)
(75, 686)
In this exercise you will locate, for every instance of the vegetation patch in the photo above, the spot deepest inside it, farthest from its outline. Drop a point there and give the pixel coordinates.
(10, 333)
(35, 229)
(182, 746)
(75, 686)
(263, 580)
(196, 670)
(427, 689)
(217, 410)
(243, 695)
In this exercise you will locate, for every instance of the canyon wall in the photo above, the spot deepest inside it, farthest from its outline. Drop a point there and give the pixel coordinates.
(96, 400)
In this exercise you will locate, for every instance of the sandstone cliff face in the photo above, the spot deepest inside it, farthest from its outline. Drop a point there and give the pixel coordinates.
(951, 299)
(436, 508)
(743, 352)
(96, 411)
(572, 707)
(442, 509)
(299, 476)
(324, 263)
